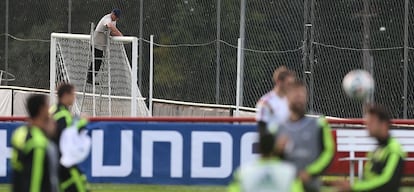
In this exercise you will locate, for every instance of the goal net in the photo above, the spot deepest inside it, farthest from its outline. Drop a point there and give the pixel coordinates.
(115, 92)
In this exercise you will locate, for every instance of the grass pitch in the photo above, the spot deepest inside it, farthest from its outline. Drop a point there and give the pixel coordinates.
(165, 188)
(142, 188)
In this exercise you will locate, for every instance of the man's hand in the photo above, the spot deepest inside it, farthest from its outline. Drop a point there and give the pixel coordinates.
(342, 186)
(304, 176)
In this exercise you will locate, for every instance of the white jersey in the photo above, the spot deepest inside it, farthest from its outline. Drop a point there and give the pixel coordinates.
(266, 176)
(273, 110)
(74, 146)
(99, 35)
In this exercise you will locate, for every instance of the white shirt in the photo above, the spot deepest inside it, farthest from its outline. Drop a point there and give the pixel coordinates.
(74, 146)
(267, 176)
(99, 34)
(273, 110)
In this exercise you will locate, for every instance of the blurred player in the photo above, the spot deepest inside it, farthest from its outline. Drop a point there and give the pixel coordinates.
(272, 108)
(107, 22)
(35, 159)
(267, 174)
(384, 169)
(70, 138)
(307, 142)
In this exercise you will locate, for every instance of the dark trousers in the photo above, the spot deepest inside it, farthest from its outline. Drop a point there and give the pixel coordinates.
(98, 62)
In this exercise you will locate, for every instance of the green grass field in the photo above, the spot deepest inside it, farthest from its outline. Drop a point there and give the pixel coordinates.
(143, 188)
(164, 188)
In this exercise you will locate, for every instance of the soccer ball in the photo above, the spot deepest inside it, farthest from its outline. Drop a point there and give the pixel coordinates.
(358, 84)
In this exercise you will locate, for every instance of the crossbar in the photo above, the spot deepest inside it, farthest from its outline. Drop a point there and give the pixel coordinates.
(87, 37)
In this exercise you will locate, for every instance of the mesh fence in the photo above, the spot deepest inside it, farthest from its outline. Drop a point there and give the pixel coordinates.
(186, 71)
(345, 35)
(3, 36)
(29, 58)
(274, 33)
(410, 95)
(342, 33)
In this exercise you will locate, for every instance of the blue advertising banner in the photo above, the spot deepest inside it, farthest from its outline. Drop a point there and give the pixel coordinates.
(157, 153)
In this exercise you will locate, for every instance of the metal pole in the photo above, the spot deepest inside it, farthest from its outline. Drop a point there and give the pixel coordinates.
(238, 83)
(312, 59)
(151, 74)
(242, 37)
(141, 32)
(6, 43)
(134, 71)
(52, 80)
(69, 16)
(305, 50)
(218, 51)
(406, 12)
(366, 54)
(108, 64)
(93, 71)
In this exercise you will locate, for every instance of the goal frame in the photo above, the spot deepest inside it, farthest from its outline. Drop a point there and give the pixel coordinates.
(124, 39)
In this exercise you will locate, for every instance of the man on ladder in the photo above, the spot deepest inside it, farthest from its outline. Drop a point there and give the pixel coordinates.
(72, 139)
(107, 22)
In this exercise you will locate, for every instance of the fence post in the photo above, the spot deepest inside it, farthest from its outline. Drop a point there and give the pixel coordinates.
(367, 60)
(406, 8)
(218, 28)
(242, 38)
(70, 16)
(134, 77)
(238, 83)
(52, 76)
(6, 43)
(305, 49)
(151, 75)
(312, 58)
(141, 33)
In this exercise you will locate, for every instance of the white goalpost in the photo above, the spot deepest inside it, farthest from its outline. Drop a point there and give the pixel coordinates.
(114, 91)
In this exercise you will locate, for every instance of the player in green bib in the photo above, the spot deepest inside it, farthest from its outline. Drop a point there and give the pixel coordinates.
(70, 137)
(384, 169)
(268, 174)
(34, 158)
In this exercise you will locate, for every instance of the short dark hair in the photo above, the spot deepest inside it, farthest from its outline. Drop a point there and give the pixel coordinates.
(64, 88)
(35, 102)
(282, 73)
(266, 143)
(297, 84)
(379, 111)
(117, 12)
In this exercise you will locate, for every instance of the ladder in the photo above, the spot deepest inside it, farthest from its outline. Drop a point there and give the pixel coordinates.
(105, 69)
